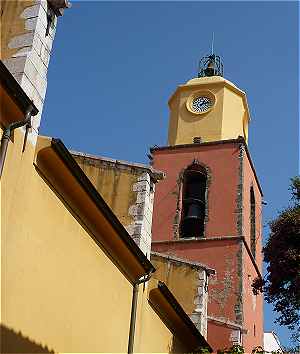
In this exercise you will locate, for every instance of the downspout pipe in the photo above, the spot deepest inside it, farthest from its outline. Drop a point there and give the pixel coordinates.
(135, 293)
(7, 133)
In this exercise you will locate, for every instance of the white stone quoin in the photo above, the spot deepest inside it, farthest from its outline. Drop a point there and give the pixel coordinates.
(29, 65)
(141, 211)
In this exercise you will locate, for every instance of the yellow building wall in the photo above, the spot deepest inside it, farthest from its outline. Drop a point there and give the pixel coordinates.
(207, 126)
(59, 289)
(178, 278)
(233, 115)
(114, 184)
(152, 335)
(227, 119)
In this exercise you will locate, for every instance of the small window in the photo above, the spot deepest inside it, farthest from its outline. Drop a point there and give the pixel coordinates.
(197, 140)
(193, 201)
(252, 223)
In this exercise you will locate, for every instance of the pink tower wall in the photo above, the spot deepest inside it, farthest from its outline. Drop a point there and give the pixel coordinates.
(223, 165)
(222, 248)
(253, 305)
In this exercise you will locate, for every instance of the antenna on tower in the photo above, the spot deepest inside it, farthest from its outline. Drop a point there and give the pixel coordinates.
(212, 43)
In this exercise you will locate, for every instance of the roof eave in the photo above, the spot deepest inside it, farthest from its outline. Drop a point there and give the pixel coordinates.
(48, 149)
(198, 265)
(165, 293)
(155, 175)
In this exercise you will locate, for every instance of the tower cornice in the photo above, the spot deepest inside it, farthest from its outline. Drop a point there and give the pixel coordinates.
(239, 140)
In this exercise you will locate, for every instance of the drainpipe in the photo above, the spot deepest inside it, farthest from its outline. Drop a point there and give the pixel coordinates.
(7, 133)
(133, 310)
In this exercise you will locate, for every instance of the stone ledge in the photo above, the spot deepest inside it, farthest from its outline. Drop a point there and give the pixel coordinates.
(227, 323)
(154, 174)
(200, 239)
(175, 259)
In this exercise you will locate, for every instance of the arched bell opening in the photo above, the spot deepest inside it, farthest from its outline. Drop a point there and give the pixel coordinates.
(193, 201)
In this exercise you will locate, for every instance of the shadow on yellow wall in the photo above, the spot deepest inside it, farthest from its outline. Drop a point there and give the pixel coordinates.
(13, 342)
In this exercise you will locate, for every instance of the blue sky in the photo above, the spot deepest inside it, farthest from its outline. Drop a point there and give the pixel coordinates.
(115, 64)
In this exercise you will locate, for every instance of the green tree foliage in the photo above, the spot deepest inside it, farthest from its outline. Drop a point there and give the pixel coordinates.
(281, 286)
(235, 349)
(238, 349)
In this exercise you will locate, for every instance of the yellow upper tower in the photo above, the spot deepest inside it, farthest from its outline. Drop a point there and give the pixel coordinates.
(208, 107)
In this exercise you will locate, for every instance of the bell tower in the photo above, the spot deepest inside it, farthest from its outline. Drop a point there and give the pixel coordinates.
(208, 107)
(208, 208)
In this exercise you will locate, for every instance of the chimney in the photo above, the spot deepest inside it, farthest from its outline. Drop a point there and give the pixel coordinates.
(27, 34)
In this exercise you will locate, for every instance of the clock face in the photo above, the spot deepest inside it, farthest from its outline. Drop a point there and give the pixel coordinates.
(201, 104)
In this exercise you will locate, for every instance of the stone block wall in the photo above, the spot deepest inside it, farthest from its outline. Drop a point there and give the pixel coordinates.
(141, 212)
(199, 315)
(26, 48)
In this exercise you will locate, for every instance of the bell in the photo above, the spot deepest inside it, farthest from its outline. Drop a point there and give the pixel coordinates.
(194, 211)
(193, 220)
(210, 69)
